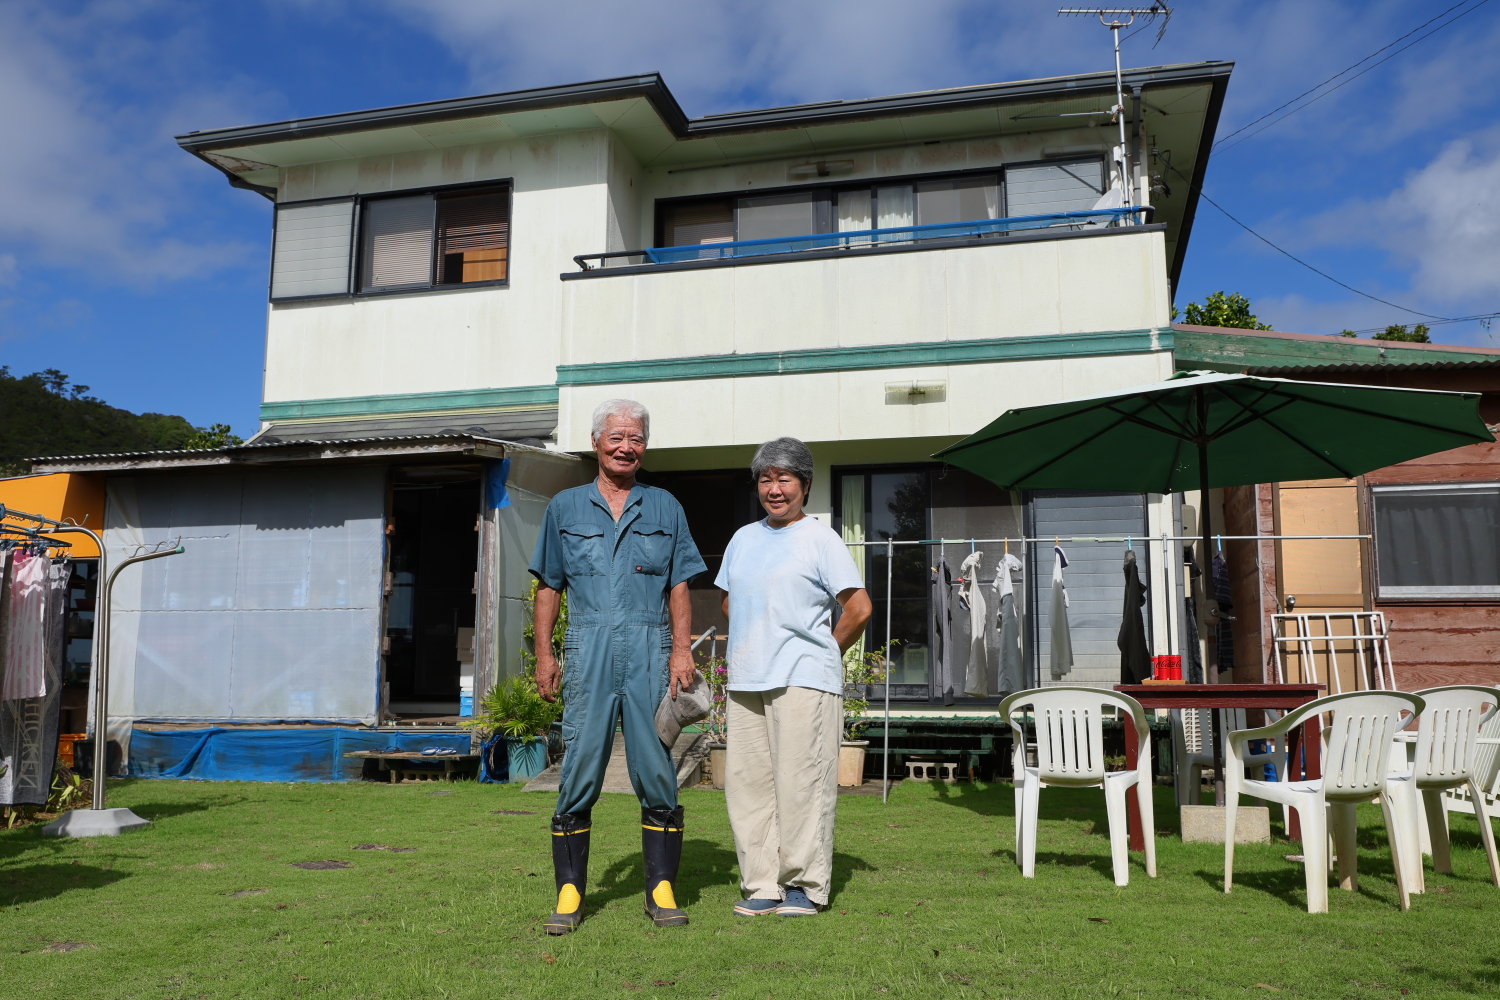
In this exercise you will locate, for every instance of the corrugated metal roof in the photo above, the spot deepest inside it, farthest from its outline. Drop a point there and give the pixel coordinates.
(1266, 351)
(120, 455)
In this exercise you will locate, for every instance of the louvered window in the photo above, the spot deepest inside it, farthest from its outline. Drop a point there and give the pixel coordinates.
(311, 255)
(1054, 187)
(397, 244)
(473, 233)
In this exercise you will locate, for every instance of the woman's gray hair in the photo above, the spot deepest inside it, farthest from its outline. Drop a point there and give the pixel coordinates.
(629, 409)
(784, 453)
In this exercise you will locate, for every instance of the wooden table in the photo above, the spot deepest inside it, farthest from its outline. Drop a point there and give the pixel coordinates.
(1278, 696)
(394, 762)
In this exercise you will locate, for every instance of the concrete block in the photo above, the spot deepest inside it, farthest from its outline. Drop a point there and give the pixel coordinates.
(1205, 825)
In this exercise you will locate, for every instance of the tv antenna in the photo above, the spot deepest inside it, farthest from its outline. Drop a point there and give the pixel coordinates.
(1114, 25)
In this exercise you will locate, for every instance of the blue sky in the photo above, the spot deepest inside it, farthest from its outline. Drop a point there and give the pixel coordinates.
(135, 268)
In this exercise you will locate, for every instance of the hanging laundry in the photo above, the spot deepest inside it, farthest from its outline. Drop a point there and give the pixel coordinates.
(26, 632)
(28, 725)
(971, 597)
(1135, 655)
(1194, 671)
(1224, 644)
(1012, 659)
(1062, 638)
(942, 630)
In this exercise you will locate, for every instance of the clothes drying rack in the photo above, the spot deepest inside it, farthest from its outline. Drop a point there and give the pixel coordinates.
(1127, 540)
(99, 655)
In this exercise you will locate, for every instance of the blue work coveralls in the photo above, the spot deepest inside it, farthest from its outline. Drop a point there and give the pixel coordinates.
(617, 577)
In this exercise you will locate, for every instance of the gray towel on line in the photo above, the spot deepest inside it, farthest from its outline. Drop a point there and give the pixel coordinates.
(673, 714)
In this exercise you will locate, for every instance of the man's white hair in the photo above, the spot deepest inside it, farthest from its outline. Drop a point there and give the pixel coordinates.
(627, 409)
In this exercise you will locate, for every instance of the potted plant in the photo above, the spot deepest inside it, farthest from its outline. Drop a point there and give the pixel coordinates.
(512, 710)
(716, 673)
(861, 669)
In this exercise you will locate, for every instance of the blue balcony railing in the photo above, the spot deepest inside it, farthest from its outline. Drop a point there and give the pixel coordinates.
(866, 238)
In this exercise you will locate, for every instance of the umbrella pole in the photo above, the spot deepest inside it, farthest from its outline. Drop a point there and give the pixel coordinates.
(1208, 568)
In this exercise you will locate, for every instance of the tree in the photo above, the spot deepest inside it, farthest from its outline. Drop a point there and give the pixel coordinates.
(1416, 335)
(213, 436)
(1347, 333)
(1219, 309)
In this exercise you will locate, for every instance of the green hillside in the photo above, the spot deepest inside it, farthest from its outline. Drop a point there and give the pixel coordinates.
(42, 415)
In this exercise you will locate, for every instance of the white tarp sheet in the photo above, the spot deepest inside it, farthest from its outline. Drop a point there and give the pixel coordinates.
(272, 612)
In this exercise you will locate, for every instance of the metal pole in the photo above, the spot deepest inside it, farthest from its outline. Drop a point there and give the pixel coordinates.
(101, 671)
(1204, 519)
(885, 770)
(1114, 30)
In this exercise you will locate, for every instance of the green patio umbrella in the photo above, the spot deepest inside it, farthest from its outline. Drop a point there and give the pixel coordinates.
(1200, 430)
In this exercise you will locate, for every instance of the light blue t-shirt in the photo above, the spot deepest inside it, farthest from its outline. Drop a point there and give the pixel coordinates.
(783, 586)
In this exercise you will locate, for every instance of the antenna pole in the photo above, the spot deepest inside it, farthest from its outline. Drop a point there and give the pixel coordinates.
(1125, 179)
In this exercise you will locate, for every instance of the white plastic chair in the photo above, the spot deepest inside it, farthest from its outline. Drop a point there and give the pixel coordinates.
(1443, 756)
(1486, 776)
(1070, 753)
(1355, 769)
(1192, 749)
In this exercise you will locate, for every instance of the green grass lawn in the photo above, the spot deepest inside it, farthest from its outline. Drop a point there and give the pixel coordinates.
(928, 903)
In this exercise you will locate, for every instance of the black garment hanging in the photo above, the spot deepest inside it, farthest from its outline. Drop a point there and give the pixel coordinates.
(28, 726)
(1135, 655)
(1224, 638)
(942, 630)
(1193, 674)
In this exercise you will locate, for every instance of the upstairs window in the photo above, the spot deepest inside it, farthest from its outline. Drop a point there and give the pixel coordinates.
(1032, 189)
(430, 240)
(1438, 542)
(400, 243)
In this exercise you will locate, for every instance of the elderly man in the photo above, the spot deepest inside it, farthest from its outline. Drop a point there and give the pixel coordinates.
(623, 553)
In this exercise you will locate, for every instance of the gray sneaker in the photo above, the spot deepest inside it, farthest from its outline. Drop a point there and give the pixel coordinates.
(796, 904)
(755, 907)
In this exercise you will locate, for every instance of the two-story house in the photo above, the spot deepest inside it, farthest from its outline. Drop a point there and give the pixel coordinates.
(454, 286)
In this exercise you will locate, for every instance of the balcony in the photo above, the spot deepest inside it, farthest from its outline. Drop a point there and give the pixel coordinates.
(934, 236)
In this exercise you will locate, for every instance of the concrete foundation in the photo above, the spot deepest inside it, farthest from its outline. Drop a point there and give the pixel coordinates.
(1205, 825)
(94, 823)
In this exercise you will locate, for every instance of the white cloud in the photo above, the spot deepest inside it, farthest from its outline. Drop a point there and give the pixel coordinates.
(90, 181)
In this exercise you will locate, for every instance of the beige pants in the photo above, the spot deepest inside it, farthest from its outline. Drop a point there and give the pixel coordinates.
(781, 785)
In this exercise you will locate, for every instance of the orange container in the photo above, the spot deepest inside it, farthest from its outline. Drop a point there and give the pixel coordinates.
(65, 743)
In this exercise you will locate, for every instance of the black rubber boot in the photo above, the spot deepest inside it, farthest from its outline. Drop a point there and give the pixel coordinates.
(661, 850)
(570, 863)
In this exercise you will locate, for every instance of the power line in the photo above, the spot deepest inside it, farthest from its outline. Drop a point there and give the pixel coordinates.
(1335, 76)
(1351, 79)
(1481, 318)
(1299, 260)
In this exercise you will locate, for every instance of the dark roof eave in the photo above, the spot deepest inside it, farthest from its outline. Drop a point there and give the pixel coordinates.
(653, 88)
(290, 451)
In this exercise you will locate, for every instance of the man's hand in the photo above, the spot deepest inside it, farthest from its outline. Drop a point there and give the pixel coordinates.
(543, 618)
(683, 670)
(547, 674)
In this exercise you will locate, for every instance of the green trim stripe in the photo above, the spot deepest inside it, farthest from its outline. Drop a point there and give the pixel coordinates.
(839, 359)
(519, 397)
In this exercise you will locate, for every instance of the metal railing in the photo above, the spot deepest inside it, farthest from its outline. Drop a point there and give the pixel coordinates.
(866, 239)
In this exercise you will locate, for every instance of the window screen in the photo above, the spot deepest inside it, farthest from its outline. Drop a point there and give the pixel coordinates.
(397, 243)
(1053, 187)
(964, 199)
(1438, 541)
(777, 215)
(692, 223)
(311, 255)
(473, 231)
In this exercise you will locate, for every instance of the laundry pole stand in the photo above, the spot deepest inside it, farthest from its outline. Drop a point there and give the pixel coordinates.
(97, 821)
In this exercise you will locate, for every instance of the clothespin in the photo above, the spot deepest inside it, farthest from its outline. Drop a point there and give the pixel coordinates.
(1007, 546)
(1219, 541)
(971, 546)
(1128, 546)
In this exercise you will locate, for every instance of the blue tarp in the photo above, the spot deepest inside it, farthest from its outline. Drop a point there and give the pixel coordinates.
(235, 754)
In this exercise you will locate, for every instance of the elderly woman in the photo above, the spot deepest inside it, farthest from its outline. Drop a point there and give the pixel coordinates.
(784, 578)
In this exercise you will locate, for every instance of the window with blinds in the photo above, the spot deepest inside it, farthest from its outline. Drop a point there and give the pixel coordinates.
(396, 249)
(473, 232)
(687, 224)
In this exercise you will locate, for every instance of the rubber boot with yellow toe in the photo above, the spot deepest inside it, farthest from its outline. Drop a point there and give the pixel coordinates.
(661, 850)
(570, 863)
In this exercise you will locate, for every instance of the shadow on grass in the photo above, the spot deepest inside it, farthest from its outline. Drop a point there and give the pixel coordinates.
(44, 881)
(704, 863)
(155, 811)
(1482, 979)
(1104, 866)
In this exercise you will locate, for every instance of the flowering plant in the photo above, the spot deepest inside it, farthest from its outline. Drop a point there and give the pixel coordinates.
(716, 673)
